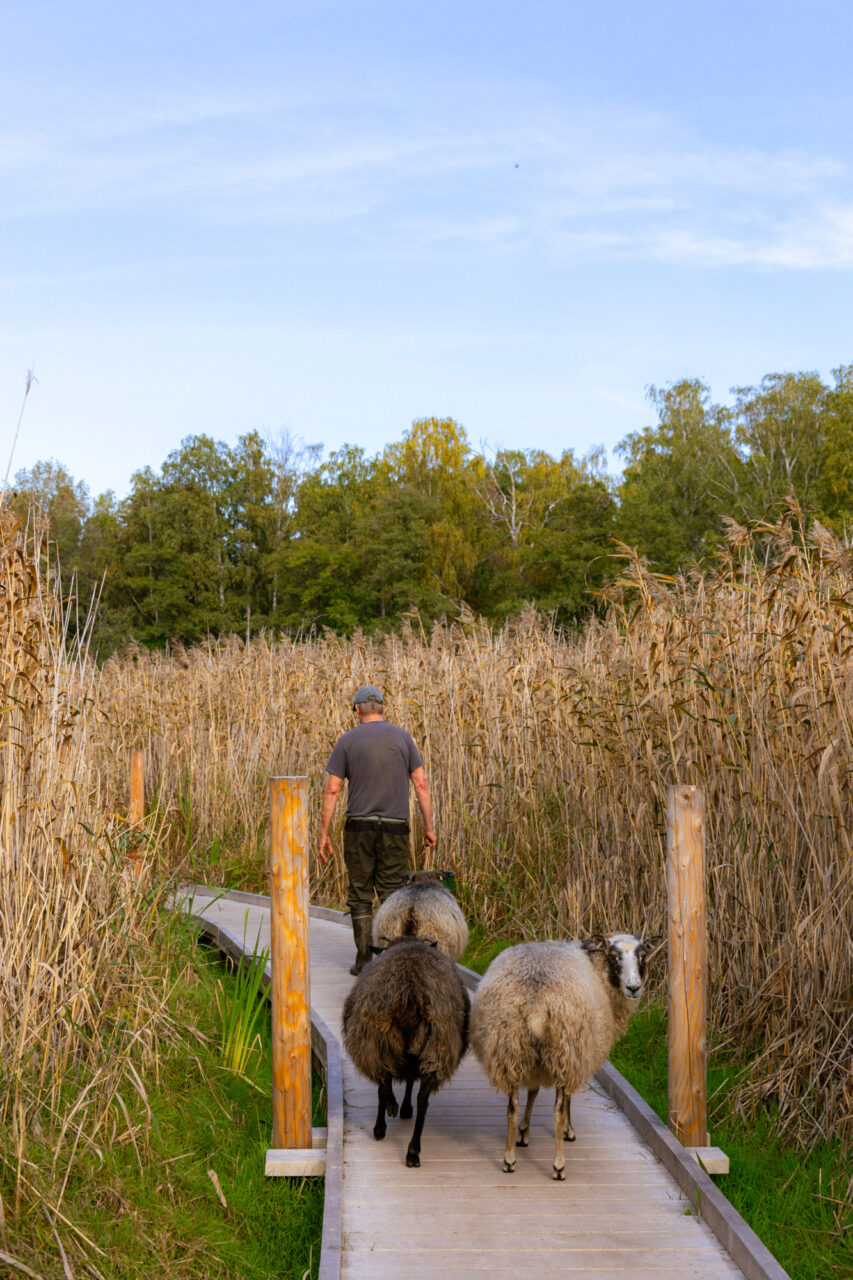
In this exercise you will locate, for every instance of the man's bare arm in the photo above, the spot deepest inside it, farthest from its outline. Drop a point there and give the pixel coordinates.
(421, 786)
(330, 799)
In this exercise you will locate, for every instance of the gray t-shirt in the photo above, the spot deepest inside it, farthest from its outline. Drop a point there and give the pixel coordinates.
(376, 758)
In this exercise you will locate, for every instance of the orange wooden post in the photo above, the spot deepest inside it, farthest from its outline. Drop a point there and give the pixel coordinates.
(136, 808)
(688, 965)
(290, 995)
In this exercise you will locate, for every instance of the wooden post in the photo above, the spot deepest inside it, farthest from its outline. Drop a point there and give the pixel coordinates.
(291, 1006)
(136, 809)
(688, 964)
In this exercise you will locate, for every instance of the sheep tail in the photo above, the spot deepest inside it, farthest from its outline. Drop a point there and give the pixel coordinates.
(537, 1022)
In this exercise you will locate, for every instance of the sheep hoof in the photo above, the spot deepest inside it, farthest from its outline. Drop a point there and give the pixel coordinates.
(522, 1140)
(413, 1160)
(391, 1107)
(379, 1132)
(570, 1135)
(559, 1174)
(509, 1168)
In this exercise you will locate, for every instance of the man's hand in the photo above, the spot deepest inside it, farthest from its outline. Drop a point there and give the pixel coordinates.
(330, 798)
(419, 782)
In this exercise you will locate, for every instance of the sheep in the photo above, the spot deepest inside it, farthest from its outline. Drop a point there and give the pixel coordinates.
(406, 1018)
(423, 908)
(547, 1013)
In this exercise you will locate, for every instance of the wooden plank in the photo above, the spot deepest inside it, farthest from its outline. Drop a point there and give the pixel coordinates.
(712, 1159)
(360, 1261)
(291, 1163)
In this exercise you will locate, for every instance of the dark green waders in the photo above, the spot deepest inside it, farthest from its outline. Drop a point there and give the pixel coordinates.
(377, 860)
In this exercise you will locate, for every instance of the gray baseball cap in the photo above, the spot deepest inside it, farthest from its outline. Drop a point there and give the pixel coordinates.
(367, 691)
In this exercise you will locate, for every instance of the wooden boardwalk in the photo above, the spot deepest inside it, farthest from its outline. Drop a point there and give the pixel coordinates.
(619, 1214)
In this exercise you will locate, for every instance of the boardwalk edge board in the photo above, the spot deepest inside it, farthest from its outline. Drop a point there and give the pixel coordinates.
(734, 1234)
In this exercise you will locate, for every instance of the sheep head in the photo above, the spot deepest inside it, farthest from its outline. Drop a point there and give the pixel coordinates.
(624, 958)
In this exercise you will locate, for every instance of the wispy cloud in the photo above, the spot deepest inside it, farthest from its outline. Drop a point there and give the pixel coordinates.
(569, 184)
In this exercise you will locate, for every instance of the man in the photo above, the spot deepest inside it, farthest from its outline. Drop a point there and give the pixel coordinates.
(378, 760)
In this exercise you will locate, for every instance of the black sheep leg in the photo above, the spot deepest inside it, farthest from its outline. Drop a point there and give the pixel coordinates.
(406, 1105)
(387, 1102)
(413, 1155)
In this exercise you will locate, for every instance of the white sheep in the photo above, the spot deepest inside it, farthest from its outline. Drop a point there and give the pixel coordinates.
(406, 1018)
(423, 909)
(547, 1013)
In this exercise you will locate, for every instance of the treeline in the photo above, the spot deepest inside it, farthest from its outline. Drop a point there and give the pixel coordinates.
(265, 534)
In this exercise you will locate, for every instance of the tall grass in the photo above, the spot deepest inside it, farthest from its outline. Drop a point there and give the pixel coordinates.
(80, 1018)
(549, 754)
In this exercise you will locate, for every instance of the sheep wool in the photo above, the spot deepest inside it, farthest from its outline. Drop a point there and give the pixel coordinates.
(423, 909)
(547, 1013)
(406, 1018)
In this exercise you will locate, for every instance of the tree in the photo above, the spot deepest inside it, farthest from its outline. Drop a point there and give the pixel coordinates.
(173, 572)
(780, 429)
(835, 482)
(62, 502)
(321, 570)
(548, 519)
(98, 555)
(290, 460)
(681, 477)
(431, 465)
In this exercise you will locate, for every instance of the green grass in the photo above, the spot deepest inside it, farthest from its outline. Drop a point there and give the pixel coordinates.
(152, 1209)
(482, 949)
(798, 1204)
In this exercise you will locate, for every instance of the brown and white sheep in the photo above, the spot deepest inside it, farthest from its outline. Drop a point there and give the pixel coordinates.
(547, 1013)
(423, 909)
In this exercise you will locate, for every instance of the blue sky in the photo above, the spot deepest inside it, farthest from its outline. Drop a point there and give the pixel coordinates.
(336, 217)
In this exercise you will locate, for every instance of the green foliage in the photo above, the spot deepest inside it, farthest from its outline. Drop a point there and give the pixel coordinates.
(58, 499)
(780, 429)
(835, 480)
(240, 1005)
(680, 478)
(265, 535)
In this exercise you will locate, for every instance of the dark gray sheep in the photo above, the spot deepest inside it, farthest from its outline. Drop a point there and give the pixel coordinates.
(406, 1018)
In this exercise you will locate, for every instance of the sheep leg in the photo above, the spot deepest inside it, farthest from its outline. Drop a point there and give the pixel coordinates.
(413, 1155)
(524, 1127)
(560, 1122)
(569, 1133)
(511, 1121)
(387, 1103)
(406, 1106)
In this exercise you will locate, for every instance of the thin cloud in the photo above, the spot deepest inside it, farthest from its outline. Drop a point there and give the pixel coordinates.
(599, 184)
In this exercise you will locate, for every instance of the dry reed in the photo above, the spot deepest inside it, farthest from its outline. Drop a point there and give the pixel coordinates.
(549, 755)
(80, 1017)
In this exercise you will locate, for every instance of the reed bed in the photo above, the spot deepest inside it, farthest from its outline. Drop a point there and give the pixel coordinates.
(549, 755)
(81, 1019)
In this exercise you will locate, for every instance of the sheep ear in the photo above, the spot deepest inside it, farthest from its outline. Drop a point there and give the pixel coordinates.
(595, 943)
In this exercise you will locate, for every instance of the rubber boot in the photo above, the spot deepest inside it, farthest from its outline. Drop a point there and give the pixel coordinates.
(362, 931)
